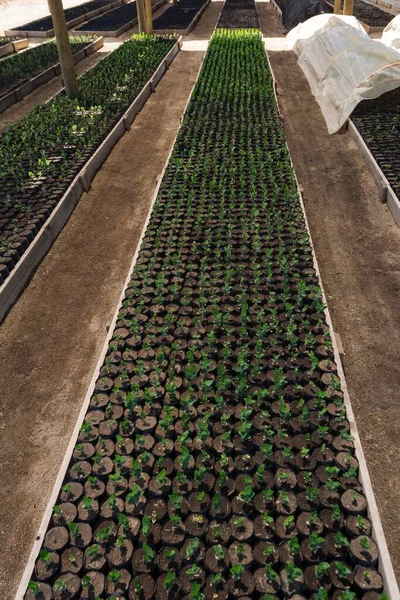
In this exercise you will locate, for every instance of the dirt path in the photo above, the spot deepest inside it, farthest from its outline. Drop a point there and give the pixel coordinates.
(358, 248)
(50, 341)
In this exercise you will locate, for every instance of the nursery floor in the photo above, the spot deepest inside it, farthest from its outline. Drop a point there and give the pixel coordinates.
(43, 344)
(357, 245)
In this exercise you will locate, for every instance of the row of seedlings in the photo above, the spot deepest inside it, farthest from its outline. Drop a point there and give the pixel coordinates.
(378, 122)
(19, 68)
(215, 460)
(42, 153)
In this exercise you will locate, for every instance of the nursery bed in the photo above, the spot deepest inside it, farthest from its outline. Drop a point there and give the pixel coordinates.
(215, 458)
(75, 15)
(239, 14)
(375, 127)
(10, 44)
(117, 21)
(181, 18)
(371, 17)
(23, 73)
(50, 157)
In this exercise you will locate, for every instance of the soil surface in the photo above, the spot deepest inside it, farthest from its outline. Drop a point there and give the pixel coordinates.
(357, 245)
(48, 350)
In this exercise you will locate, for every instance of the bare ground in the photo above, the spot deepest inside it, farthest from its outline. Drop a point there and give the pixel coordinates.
(51, 339)
(358, 249)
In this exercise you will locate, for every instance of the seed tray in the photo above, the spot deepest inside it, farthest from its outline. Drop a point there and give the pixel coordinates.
(38, 195)
(117, 21)
(9, 44)
(377, 124)
(371, 17)
(15, 91)
(215, 458)
(75, 15)
(181, 18)
(239, 14)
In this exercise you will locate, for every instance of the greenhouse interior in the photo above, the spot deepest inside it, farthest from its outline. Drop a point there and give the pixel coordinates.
(199, 291)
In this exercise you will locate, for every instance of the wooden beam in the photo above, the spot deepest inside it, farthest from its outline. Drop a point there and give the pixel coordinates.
(63, 47)
(337, 7)
(348, 7)
(149, 17)
(141, 11)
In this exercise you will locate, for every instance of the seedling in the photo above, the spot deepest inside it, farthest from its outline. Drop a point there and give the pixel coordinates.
(364, 543)
(236, 571)
(195, 592)
(293, 572)
(315, 542)
(169, 554)
(342, 570)
(192, 547)
(321, 569)
(169, 580)
(34, 587)
(270, 573)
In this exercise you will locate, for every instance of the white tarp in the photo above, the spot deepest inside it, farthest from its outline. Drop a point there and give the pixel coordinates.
(391, 34)
(315, 25)
(343, 65)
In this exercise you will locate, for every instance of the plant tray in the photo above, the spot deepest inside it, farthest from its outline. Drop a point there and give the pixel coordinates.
(180, 20)
(13, 46)
(372, 18)
(116, 22)
(27, 88)
(22, 272)
(239, 14)
(30, 31)
(386, 192)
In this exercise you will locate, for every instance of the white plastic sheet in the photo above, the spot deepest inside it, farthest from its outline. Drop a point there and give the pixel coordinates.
(343, 65)
(391, 34)
(315, 25)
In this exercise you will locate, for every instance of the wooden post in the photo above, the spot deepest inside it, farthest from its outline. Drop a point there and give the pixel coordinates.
(337, 7)
(149, 17)
(348, 7)
(141, 11)
(63, 47)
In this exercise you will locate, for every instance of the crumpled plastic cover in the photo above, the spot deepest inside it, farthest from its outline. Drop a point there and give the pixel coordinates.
(343, 65)
(391, 34)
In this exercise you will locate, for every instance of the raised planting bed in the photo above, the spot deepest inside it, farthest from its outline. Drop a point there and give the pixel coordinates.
(375, 126)
(51, 156)
(215, 459)
(75, 15)
(238, 14)
(116, 22)
(372, 18)
(181, 18)
(22, 73)
(10, 44)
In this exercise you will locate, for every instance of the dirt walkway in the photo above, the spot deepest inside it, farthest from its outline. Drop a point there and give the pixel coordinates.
(358, 249)
(50, 341)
